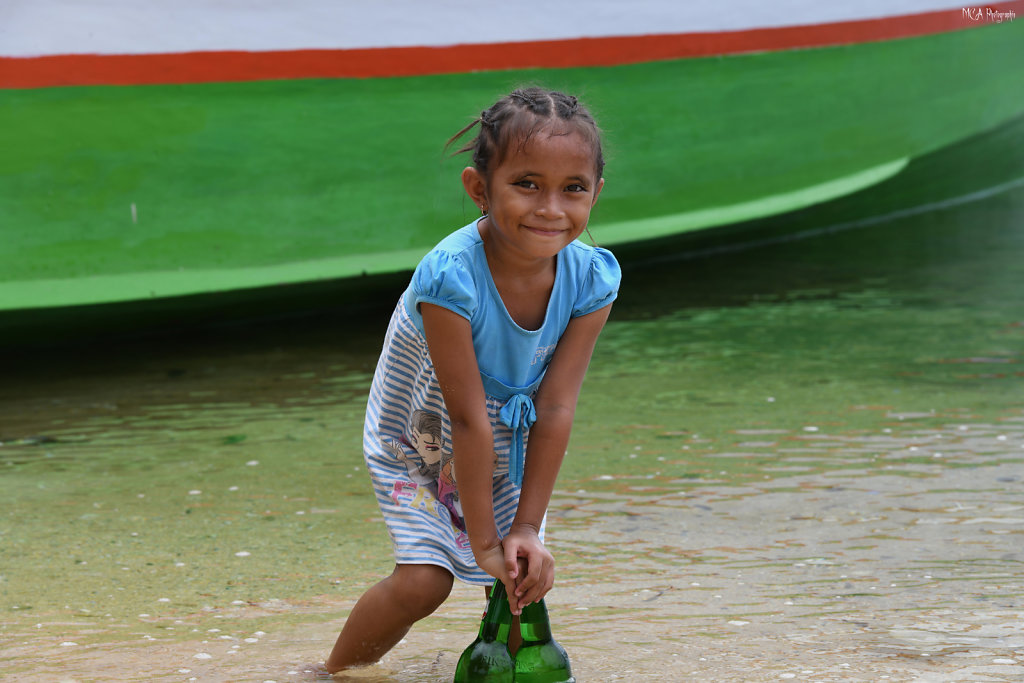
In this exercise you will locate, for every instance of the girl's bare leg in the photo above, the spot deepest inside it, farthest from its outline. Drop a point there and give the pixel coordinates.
(386, 612)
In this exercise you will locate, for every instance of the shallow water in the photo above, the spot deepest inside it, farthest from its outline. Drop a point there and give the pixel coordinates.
(802, 461)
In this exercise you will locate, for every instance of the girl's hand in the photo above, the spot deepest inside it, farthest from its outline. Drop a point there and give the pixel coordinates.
(492, 561)
(523, 546)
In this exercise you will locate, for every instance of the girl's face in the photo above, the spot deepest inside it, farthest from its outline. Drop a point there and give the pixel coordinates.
(539, 198)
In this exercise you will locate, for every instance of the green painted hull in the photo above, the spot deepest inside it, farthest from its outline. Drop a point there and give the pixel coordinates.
(114, 194)
(972, 170)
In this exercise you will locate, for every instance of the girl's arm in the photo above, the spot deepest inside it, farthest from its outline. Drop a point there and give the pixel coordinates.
(450, 341)
(549, 436)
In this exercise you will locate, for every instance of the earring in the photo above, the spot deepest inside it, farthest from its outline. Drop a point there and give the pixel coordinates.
(483, 210)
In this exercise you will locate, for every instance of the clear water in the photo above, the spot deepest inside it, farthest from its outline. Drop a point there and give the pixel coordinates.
(798, 461)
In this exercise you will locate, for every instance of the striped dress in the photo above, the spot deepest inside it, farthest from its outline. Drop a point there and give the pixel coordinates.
(407, 433)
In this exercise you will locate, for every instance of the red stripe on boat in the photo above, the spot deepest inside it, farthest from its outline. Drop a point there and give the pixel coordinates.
(227, 66)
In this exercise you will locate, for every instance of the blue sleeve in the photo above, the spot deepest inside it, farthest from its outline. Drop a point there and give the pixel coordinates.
(442, 279)
(600, 283)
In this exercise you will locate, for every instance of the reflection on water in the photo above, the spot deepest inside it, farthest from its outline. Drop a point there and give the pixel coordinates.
(801, 461)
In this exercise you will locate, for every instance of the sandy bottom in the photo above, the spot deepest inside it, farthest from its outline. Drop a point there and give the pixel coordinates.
(843, 576)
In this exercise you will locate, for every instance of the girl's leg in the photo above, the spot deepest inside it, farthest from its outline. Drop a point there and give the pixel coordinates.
(385, 613)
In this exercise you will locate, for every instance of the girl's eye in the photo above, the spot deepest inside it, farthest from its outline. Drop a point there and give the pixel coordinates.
(529, 184)
(576, 187)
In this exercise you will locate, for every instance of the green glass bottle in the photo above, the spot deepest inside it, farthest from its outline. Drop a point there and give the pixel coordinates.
(540, 658)
(487, 659)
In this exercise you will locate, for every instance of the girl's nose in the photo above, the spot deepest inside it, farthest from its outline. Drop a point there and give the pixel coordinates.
(550, 206)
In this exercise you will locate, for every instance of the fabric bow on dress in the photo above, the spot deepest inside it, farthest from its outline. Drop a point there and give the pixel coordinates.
(518, 414)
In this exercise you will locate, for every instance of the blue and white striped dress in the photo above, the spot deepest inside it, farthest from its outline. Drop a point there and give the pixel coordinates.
(407, 433)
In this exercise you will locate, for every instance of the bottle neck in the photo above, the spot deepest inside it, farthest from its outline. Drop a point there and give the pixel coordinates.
(498, 617)
(534, 624)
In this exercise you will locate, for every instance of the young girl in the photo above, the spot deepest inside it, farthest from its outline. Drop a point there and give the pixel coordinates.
(489, 344)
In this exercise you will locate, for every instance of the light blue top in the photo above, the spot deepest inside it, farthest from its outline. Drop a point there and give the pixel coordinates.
(512, 360)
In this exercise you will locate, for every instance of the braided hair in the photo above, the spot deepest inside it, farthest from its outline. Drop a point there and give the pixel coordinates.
(518, 116)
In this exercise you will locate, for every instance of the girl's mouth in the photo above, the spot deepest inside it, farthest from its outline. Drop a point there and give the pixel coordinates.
(543, 231)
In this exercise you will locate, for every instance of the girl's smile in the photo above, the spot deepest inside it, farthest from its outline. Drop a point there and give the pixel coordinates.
(541, 231)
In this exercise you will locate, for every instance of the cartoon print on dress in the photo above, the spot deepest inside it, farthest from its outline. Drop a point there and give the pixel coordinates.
(414, 495)
(422, 453)
(429, 465)
(448, 493)
(428, 440)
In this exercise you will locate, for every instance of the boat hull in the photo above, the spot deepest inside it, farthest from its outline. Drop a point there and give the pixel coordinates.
(115, 194)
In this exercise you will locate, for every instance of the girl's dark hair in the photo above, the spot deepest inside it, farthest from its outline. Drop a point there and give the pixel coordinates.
(518, 116)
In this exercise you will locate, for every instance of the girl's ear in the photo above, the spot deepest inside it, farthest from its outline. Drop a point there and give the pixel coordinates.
(476, 187)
